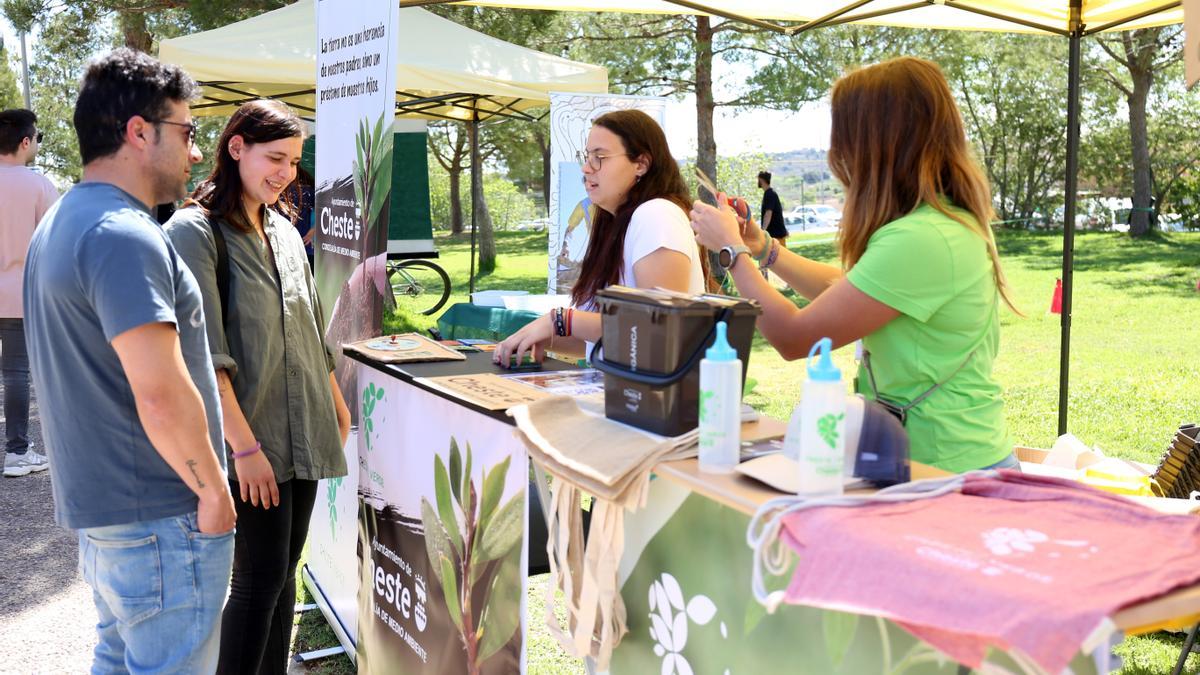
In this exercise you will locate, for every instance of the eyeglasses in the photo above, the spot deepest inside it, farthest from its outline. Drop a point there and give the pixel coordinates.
(39, 136)
(595, 160)
(191, 127)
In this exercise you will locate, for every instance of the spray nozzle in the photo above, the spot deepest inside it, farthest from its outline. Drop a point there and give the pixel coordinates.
(720, 349)
(823, 370)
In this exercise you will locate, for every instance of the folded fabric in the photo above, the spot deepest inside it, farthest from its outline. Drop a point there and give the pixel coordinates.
(605, 459)
(1012, 561)
(589, 454)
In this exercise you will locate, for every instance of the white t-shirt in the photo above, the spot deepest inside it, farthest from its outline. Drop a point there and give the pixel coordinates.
(660, 223)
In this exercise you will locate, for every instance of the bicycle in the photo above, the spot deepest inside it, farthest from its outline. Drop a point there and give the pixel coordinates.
(419, 286)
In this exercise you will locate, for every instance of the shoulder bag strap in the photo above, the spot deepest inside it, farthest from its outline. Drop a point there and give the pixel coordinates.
(938, 385)
(222, 268)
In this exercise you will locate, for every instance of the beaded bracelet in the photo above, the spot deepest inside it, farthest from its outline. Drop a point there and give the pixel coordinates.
(771, 258)
(560, 326)
(247, 453)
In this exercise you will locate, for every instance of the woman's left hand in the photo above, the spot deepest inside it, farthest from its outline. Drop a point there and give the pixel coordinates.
(529, 339)
(340, 409)
(715, 228)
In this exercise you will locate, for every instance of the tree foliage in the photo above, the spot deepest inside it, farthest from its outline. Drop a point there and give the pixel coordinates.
(10, 89)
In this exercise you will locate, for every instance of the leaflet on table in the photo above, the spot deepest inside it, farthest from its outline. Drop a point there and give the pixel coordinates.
(486, 390)
(405, 348)
(575, 383)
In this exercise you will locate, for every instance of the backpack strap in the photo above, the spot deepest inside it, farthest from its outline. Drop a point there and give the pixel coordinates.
(222, 268)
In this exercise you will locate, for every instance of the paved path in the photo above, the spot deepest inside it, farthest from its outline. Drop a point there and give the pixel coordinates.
(47, 619)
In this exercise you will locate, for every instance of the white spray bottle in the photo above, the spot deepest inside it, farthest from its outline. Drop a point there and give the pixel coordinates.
(822, 425)
(720, 406)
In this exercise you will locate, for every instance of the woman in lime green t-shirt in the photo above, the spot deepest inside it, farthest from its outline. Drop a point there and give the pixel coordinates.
(920, 281)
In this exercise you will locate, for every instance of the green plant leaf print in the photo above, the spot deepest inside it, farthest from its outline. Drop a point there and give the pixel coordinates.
(827, 428)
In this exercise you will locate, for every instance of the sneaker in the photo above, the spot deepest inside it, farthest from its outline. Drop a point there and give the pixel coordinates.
(20, 465)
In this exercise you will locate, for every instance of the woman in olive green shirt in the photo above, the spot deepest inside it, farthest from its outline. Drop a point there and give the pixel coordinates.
(285, 420)
(920, 281)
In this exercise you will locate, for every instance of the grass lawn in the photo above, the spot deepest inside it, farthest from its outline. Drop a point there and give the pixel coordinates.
(1133, 357)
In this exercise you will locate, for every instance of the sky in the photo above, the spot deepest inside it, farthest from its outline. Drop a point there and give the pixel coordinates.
(739, 132)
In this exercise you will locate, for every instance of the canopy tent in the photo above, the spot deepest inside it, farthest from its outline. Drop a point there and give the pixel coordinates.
(443, 70)
(1030, 16)
(1072, 19)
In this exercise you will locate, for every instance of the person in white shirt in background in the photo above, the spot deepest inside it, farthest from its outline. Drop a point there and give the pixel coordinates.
(640, 233)
(25, 196)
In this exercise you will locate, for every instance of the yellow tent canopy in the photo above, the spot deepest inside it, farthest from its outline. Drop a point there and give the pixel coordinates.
(1027, 16)
(443, 70)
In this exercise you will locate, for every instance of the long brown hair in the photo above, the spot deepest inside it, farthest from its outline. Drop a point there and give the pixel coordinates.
(898, 142)
(260, 121)
(640, 135)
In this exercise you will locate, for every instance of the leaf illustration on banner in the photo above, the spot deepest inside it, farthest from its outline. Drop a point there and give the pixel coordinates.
(371, 395)
(331, 491)
(484, 554)
(373, 170)
(455, 471)
(450, 591)
(437, 542)
(441, 488)
(839, 629)
(493, 489)
(503, 533)
(502, 614)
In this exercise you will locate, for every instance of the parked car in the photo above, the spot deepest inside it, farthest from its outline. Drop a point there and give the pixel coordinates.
(536, 225)
(808, 217)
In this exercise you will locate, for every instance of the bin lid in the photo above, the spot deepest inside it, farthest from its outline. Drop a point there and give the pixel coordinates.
(662, 297)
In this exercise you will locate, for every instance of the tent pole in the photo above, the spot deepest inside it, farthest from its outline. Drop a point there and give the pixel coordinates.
(476, 188)
(1068, 255)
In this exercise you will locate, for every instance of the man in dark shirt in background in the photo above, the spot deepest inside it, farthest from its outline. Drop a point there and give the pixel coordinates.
(772, 210)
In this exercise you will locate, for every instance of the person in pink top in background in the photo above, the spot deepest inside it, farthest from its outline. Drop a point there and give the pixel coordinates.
(25, 196)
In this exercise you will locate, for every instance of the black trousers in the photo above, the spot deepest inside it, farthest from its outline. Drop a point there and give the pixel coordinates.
(256, 627)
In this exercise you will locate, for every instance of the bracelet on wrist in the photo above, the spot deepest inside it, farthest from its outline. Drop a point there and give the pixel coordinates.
(560, 325)
(247, 453)
(774, 249)
(760, 257)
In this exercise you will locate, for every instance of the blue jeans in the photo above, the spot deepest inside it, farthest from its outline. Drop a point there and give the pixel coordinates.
(159, 587)
(14, 362)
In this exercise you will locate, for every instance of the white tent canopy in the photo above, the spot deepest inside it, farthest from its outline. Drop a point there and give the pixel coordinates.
(443, 70)
(1033, 16)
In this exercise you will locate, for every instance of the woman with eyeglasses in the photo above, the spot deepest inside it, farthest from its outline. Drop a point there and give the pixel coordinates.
(640, 234)
(920, 280)
(285, 420)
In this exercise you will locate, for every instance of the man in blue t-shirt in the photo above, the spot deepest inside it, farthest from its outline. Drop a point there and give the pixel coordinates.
(120, 358)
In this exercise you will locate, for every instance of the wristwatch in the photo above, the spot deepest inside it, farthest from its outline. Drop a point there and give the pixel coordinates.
(728, 255)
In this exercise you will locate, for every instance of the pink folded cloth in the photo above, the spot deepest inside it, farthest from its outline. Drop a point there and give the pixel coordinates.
(1018, 562)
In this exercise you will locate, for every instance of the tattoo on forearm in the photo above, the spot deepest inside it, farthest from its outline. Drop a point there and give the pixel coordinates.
(192, 465)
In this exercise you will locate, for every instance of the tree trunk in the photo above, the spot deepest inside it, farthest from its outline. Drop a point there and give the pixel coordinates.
(456, 206)
(136, 34)
(706, 142)
(480, 217)
(1139, 219)
(544, 146)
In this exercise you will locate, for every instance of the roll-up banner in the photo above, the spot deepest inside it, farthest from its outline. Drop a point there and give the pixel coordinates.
(356, 83)
(571, 211)
(356, 105)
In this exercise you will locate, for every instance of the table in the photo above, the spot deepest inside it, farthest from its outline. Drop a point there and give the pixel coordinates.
(684, 577)
(712, 625)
